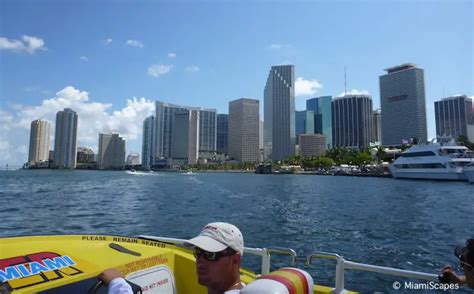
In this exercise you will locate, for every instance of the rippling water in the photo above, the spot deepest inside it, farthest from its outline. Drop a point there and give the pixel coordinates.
(404, 224)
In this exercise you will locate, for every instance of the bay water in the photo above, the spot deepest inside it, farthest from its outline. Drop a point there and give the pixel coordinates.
(405, 224)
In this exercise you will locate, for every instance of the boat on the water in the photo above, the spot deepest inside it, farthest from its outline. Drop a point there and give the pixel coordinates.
(71, 264)
(434, 161)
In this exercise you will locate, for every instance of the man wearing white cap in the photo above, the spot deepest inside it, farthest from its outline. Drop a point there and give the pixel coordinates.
(218, 250)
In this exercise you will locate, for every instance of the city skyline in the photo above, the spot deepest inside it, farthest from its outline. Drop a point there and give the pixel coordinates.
(113, 76)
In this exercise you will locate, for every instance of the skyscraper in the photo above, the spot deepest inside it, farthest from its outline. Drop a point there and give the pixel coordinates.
(85, 155)
(207, 130)
(148, 139)
(133, 159)
(222, 133)
(111, 151)
(376, 126)
(322, 108)
(304, 123)
(279, 113)
(186, 137)
(402, 99)
(65, 139)
(455, 117)
(164, 126)
(39, 141)
(352, 121)
(243, 130)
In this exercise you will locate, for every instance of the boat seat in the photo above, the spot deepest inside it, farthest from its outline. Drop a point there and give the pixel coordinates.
(157, 279)
(287, 280)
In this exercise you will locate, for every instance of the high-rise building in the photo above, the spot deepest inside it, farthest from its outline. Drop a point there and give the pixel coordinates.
(304, 123)
(85, 155)
(65, 139)
(322, 108)
(279, 113)
(377, 126)
(352, 121)
(148, 140)
(243, 130)
(39, 141)
(186, 137)
(133, 159)
(312, 144)
(222, 133)
(164, 126)
(455, 117)
(402, 99)
(207, 131)
(111, 151)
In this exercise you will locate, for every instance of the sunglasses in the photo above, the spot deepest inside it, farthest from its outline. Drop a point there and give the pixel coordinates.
(213, 256)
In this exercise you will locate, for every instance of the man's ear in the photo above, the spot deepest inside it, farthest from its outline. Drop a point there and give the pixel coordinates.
(236, 258)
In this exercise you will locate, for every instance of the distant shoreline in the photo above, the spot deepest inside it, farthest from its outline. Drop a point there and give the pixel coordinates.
(306, 173)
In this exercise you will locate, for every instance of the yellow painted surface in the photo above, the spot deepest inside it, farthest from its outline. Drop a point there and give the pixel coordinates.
(92, 255)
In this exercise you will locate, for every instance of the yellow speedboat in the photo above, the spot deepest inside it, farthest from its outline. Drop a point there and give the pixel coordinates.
(71, 264)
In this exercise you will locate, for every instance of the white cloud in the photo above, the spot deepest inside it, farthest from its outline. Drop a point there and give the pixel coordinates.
(94, 118)
(278, 46)
(192, 68)
(83, 58)
(107, 41)
(135, 43)
(172, 55)
(28, 44)
(156, 70)
(306, 87)
(355, 92)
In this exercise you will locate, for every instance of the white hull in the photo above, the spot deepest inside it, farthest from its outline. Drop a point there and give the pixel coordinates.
(442, 174)
(469, 173)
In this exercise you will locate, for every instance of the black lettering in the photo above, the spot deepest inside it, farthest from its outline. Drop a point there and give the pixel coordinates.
(94, 238)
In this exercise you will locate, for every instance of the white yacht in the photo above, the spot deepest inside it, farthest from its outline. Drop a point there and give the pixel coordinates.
(437, 161)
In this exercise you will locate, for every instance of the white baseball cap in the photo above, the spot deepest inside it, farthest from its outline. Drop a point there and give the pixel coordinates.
(217, 236)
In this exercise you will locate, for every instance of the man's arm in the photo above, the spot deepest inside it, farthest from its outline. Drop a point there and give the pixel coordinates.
(115, 282)
(449, 272)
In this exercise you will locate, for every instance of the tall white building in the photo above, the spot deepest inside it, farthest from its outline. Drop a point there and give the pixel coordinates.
(39, 141)
(244, 126)
(148, 139)
(279, 113)
(186, 137)
(111, 151)
(164, 127)
(65, 139)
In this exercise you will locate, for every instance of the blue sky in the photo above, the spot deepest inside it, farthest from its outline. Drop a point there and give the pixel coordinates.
(110, 60)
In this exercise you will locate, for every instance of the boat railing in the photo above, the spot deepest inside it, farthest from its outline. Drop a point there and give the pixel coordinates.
(341, 264)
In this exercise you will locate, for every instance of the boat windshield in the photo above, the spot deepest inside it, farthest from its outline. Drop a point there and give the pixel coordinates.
(455, 152)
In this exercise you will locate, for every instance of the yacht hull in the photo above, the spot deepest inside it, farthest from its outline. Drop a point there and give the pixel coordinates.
(469, 174)
(445, 175)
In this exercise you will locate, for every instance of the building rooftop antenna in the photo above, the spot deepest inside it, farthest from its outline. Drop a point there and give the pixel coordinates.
(345, 81)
